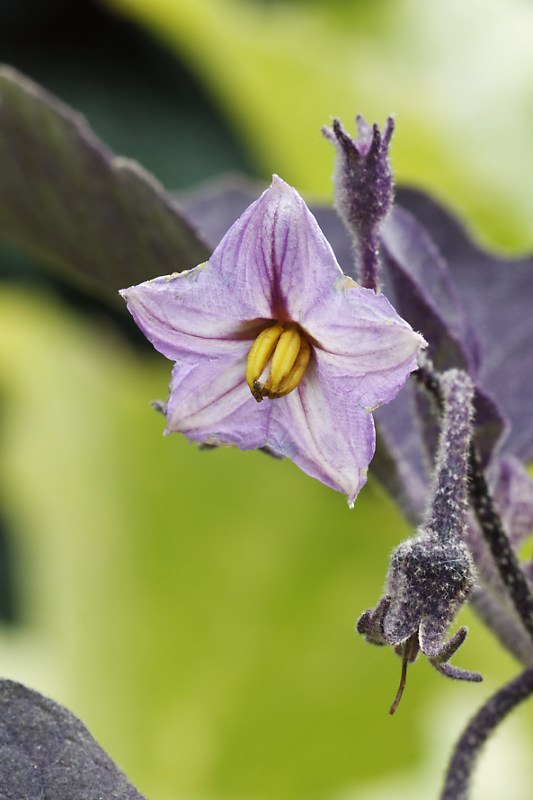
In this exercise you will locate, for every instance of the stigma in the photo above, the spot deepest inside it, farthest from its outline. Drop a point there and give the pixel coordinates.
(277, 361)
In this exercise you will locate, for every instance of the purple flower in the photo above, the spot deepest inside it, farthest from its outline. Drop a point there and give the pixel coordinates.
(272, 318)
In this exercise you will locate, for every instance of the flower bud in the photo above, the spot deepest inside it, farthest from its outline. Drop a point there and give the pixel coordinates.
(363, 188)
(432, 575)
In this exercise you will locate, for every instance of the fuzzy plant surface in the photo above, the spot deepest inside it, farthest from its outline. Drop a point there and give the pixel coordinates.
(46, 752)
(452, 447)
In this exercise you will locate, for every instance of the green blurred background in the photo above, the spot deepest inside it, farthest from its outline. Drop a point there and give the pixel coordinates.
(196, 609)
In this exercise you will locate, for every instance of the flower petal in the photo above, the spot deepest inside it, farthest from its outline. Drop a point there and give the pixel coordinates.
(275, 258)
(210, 402)
(190, 315)
(360, 335)
(321, 429)
(273, 263)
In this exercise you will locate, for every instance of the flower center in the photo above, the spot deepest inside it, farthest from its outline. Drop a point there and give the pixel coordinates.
(277, 361)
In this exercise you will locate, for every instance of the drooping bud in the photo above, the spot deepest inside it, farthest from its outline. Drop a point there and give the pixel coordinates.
(429, 580)
(363, 189)
(432, 574)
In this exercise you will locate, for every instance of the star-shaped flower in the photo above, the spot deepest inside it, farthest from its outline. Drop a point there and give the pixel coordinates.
(272, 318)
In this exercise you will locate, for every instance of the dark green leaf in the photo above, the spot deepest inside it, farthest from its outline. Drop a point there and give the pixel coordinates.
(68, 199)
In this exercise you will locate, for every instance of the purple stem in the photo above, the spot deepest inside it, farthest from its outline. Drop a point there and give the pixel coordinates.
(478, 730)
(499, 544)
(446, 515)
(489, 519)
(367, 261)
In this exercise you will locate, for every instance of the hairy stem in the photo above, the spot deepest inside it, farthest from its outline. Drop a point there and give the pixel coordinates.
(477, 732)
(499, 544)
(446, 514)
(489, 519)
(367, 261)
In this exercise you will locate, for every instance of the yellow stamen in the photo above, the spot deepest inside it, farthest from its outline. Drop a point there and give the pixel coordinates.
(260, 354)
(285, 355)
(277, 361)
(297, 372)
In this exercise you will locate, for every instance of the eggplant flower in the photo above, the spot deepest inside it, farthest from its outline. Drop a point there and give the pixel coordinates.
(275, 347)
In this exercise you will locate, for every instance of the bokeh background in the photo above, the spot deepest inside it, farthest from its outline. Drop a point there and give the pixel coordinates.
(196, 609)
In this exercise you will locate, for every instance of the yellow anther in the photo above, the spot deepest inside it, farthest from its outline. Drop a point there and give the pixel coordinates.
(277, 361)
(285, 355)
(260, 354)
(297, 372)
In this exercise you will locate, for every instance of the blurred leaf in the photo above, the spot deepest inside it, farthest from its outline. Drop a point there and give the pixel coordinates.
(213, 206)
(45, 751)
(279, 71)
(134, 91)
(68, 199)
(195, 609)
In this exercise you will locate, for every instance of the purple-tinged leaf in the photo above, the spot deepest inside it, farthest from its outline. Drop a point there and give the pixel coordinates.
(512, 490)
(513, 495)
(418, 282)
(46, 752)
(498, 294)
(69, 200)
(213, 206)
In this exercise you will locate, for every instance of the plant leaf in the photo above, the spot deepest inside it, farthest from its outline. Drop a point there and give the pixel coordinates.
(45, 751)
(498, 294)
(69, 200)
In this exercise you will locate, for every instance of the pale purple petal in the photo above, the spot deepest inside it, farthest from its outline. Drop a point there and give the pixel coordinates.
(210, 402)
(190, 315)
(276, 259)
(323, 431)
(273, 263)
(360, 335)
(318, 426)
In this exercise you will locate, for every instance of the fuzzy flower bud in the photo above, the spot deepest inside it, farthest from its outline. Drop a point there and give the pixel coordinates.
(432, 575)
(363, 188)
